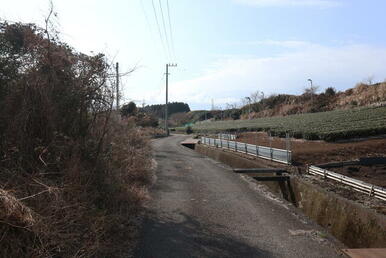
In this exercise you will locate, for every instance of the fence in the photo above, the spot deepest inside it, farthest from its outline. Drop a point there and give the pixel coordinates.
(227, 136)
(355, 184)
(273, 154)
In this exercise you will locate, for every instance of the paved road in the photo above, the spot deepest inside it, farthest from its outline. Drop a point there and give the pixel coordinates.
(199, 208)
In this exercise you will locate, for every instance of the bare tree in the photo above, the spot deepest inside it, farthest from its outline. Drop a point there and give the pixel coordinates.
(231, 105)
(311, 90)
(257, 96)
(369, 80)
(244, 101)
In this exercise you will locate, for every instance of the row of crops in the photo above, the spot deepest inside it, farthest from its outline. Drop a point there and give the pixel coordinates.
(329, 126)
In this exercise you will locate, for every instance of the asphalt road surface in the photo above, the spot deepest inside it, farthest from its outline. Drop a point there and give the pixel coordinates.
(200, 208)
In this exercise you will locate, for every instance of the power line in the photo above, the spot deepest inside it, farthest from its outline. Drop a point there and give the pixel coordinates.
(171, 31)
(149, 24)
(163, 22)
(127, 73)
(146, 17)
(159, 29)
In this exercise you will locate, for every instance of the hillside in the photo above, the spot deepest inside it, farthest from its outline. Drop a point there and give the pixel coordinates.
(329, 126)
(283, 105)
(361, 95)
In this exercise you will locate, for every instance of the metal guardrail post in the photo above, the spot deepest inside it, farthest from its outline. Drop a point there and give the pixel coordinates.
(288, 147)
(246, 148)
(288, 161)
(371, 191)
(271, 153)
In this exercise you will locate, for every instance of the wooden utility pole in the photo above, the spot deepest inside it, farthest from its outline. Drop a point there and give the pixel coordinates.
(167, 101)
(117, 83)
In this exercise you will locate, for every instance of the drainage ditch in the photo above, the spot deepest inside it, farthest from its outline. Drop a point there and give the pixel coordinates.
(352, 223)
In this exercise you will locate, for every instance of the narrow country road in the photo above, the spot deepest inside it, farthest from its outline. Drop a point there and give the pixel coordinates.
(199, 208)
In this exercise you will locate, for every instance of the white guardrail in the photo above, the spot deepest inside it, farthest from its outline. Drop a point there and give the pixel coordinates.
(226, 136)
(355, 184)
(273, 154)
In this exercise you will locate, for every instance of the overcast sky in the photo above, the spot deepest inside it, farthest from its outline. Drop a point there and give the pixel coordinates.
(225, 49)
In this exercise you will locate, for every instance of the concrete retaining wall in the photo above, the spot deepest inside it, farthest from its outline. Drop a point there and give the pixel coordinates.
(353, 224)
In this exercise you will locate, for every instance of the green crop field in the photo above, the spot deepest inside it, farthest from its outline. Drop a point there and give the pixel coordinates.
(329, 126)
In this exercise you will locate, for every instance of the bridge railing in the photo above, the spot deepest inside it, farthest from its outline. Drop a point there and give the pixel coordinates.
(226, 136)
(273, 154)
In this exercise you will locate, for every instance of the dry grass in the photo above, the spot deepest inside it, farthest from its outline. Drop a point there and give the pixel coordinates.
(14, 212)
(362, 95)
(73, 176)
(85, 210)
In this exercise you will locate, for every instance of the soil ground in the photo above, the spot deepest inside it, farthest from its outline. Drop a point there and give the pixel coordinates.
(317, 152)
(375, 174)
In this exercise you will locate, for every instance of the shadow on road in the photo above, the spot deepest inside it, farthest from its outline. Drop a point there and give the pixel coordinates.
(184, 236)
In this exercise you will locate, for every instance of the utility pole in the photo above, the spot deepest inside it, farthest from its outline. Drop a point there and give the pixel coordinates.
(312, 90)
(117, 83)
(167, 101)
(249, 107)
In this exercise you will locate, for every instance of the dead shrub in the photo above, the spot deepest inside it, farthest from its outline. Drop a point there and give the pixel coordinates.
(14, 212)
(72, 174)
